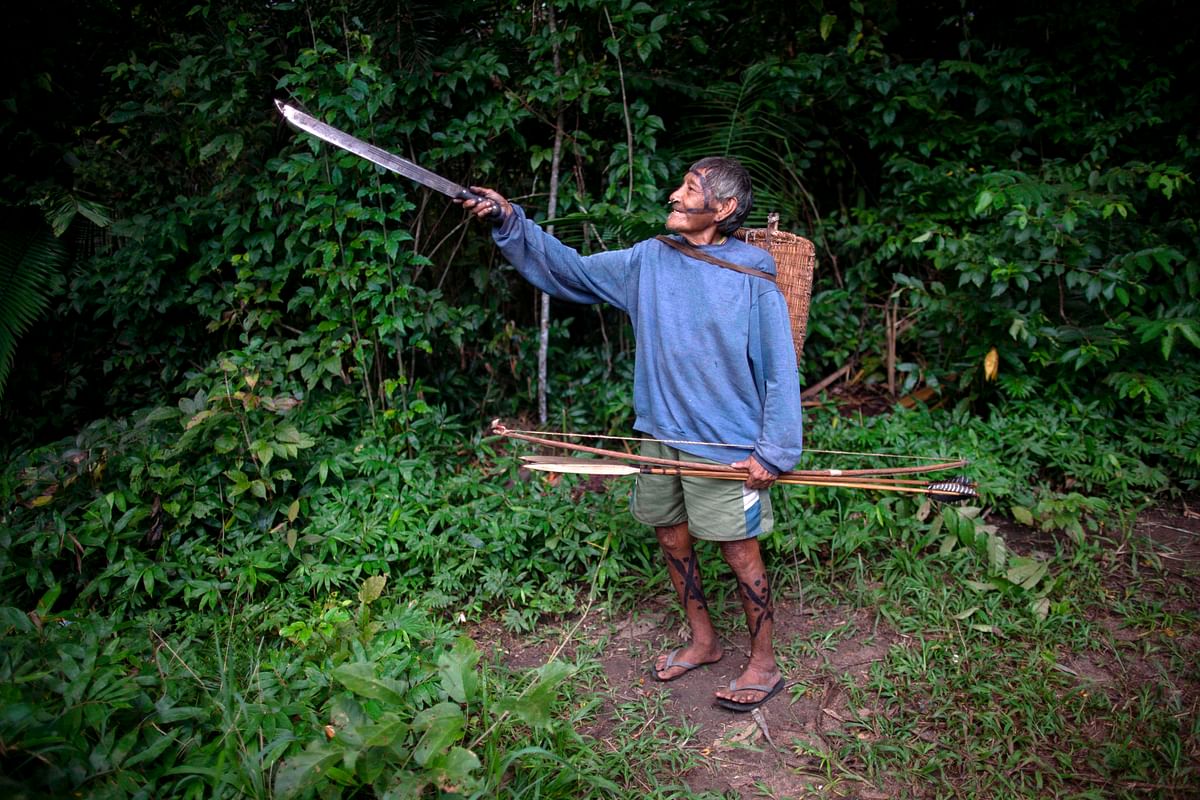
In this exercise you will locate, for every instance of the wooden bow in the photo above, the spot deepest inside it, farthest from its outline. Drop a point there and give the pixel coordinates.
(880, 478)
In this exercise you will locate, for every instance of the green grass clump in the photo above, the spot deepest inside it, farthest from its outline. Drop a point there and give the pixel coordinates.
(233, 596)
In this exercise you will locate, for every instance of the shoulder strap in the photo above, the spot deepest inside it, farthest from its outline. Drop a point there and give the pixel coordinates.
(689, 250)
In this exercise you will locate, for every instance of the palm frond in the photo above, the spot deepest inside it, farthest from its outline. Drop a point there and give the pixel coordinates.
(606, 227)
(62, 207)
(31, 263)
(742, 119)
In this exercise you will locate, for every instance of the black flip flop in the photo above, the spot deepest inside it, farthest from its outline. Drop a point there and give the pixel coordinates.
(686, 666)
(769, 692)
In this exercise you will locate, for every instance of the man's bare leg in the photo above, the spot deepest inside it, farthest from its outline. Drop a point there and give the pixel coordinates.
(745, 559)
(684, 569)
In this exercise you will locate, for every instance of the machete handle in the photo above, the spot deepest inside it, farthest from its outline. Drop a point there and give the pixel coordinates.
(495, 216)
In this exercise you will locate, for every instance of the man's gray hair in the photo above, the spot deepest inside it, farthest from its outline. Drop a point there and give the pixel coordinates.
(726, 178)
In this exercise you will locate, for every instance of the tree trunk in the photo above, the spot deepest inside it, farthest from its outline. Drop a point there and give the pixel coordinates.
(551, 212)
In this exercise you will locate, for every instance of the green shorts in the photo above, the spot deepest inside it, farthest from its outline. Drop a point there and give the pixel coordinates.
(714, 509)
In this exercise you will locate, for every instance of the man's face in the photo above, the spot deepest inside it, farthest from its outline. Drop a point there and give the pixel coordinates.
(691, 211)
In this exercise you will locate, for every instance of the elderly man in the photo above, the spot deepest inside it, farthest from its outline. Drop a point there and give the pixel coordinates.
(715, 380)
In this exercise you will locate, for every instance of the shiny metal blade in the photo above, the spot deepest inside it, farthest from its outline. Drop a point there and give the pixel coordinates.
(402, 166)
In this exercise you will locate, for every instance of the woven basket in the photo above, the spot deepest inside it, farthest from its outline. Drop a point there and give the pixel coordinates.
(795, 257)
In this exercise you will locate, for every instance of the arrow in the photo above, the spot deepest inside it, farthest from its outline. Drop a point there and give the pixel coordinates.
(951, 490)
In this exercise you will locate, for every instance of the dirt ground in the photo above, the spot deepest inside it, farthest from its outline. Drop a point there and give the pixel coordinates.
(762, 754)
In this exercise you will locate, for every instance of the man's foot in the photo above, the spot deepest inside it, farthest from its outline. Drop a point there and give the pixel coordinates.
(750, 690)
(683, 660)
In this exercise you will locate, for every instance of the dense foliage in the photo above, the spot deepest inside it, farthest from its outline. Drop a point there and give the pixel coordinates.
(246, 490)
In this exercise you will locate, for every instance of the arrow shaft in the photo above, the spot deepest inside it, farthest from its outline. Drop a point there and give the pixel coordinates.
(593, 467)
(791, 480)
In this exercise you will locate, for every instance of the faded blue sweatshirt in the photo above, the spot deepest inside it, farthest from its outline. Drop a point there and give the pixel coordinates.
(714, 361)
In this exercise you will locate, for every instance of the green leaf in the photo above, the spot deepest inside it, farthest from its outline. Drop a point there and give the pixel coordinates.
(984, 202)
(997, 553)
(1022, 515)
(304, 770)
(1026, 572)
(263, 452)
(1040, 607)
(405, 786)
(443, 725)
(388, 732)
(167, 715)
(152, 752)
(14, 619)
(359, 677)
(826, 28)
(533, 707)
(31, 263)
(1190, 332)
(969, 512)
(457, 669)
(371, 589)
(964, 528)
(452, 770)
(47, 600)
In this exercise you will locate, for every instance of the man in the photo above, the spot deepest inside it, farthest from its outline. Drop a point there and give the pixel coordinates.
(715, 380)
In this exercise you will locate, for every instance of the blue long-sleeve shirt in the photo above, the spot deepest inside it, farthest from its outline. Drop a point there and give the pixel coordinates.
(714, 360)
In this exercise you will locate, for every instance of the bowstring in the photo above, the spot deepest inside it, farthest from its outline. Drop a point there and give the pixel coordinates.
(569, 435)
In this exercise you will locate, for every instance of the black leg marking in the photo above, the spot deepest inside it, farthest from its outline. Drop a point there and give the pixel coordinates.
(761, 610)
(688, 569)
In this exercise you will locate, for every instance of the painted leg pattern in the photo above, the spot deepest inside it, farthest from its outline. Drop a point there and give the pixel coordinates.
(757, 602)
(688, 570)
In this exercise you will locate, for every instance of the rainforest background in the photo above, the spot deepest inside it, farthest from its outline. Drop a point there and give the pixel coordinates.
(248, 505)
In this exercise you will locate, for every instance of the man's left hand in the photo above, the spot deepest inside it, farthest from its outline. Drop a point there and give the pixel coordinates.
(760, 476)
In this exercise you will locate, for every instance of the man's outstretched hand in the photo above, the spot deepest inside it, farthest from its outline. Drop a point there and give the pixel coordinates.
(760, 476)
(492, 208)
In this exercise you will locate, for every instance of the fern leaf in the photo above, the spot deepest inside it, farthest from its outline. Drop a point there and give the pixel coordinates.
(31, 265)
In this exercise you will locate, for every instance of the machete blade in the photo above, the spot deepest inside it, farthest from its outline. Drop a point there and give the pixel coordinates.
(389, 161)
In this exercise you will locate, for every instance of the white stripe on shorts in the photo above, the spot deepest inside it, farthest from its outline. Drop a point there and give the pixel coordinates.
(749, 498)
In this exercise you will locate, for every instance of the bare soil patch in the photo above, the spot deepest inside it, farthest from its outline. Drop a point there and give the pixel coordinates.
(774, 752)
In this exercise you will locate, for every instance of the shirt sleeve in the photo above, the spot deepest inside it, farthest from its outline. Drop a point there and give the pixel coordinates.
(561, 271)
(773, 359)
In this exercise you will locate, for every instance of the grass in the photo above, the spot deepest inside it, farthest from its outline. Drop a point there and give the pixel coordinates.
(920, 662)
(970, 713)
(965, 692)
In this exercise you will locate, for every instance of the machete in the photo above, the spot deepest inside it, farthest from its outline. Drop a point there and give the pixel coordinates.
(309, 124)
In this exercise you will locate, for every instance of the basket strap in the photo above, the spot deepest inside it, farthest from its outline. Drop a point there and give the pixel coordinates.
(689, 250)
